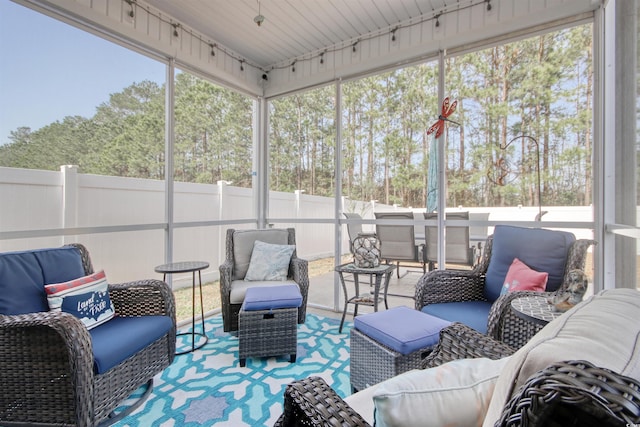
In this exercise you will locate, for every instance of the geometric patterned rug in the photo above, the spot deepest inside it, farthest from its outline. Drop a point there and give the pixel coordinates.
(208, 387)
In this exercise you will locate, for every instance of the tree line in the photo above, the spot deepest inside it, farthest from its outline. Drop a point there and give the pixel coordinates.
(540, 87)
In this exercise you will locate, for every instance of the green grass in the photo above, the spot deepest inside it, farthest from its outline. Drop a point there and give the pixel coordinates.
(211, 291)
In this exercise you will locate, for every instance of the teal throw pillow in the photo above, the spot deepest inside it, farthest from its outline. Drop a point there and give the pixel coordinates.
(269, 262)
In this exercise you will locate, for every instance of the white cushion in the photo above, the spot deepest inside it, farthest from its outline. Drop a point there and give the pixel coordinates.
(269, 262)
(453, 394)
(603, 330)
(362, 402)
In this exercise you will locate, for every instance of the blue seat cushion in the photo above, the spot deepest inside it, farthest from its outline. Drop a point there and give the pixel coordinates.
(24, 274)
(402, 329)
(472, 313)
(272, 297)
(540, 249)
(122, 337)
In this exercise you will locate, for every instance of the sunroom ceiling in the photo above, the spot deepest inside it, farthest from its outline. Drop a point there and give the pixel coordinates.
(306, 43)
(292, 28)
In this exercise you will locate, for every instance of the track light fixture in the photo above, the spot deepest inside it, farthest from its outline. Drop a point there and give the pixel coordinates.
(354, 46)
(488, 5)
(393, 34)
(242, 65)
(293, 67)
(175, 30)
(322, 57)
(438, 20)
(213, 49)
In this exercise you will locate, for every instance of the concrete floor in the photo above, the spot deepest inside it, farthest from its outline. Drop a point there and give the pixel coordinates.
(321, 292)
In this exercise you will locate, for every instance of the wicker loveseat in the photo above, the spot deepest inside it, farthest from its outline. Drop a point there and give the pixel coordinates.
(581, 369)
(56, 371)
(473, 296)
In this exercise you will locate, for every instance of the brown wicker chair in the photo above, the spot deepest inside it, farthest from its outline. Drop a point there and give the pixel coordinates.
(556, 396)
(440, 286)
(230, 274)
(48, 375)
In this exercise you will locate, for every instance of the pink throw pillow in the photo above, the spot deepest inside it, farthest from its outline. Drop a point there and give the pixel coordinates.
(522, 278)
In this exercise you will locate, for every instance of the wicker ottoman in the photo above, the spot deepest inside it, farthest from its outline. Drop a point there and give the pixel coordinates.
(387, 343)
(268, 322)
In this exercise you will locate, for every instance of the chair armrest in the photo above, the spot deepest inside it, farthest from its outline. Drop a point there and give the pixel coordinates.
(459, 341)
(574, 393)
(311, 402)
(300, 272)
(504, 325)
(53, 350)
(449, 286)
(226, 272)
(143, 298)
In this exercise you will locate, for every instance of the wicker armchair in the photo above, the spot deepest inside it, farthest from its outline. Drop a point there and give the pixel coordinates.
(556, 396)
(441, 286)
(239, 244)
(48, 375)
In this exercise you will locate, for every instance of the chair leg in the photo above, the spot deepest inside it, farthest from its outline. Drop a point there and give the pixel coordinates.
(112, 417)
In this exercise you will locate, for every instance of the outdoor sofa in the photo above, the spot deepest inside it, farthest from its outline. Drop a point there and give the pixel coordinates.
(583, 368)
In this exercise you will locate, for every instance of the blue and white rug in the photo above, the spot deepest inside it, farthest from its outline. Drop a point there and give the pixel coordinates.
(208, 387)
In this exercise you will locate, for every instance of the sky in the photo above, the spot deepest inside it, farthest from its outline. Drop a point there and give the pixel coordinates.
(50, 70)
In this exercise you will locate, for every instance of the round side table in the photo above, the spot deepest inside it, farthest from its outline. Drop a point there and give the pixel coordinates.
(185, 267)
(535, 309)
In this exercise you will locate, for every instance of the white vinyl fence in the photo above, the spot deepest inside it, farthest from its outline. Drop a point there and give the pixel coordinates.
(47, 200)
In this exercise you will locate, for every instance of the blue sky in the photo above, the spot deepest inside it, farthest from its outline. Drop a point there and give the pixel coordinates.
(50, 70)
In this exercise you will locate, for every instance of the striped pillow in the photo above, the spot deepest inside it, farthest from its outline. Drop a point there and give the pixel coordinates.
(87, 298)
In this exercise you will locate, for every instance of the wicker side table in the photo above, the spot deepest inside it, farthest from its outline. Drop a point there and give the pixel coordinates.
(272, 330)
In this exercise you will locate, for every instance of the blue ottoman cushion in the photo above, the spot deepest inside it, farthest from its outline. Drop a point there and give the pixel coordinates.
(472, 313)
(272, 297)
(402, 329)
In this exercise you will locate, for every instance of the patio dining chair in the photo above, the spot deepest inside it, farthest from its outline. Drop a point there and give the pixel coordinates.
(398, 241)
(458, 249)
(353, 230)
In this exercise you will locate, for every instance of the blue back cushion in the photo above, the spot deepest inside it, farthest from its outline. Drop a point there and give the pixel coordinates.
(540, 249)
(24, 274)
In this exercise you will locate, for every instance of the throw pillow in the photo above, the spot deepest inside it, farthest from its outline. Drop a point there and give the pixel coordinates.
(87, 298)
(269, 262)
(522, 278)
(453, 394)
